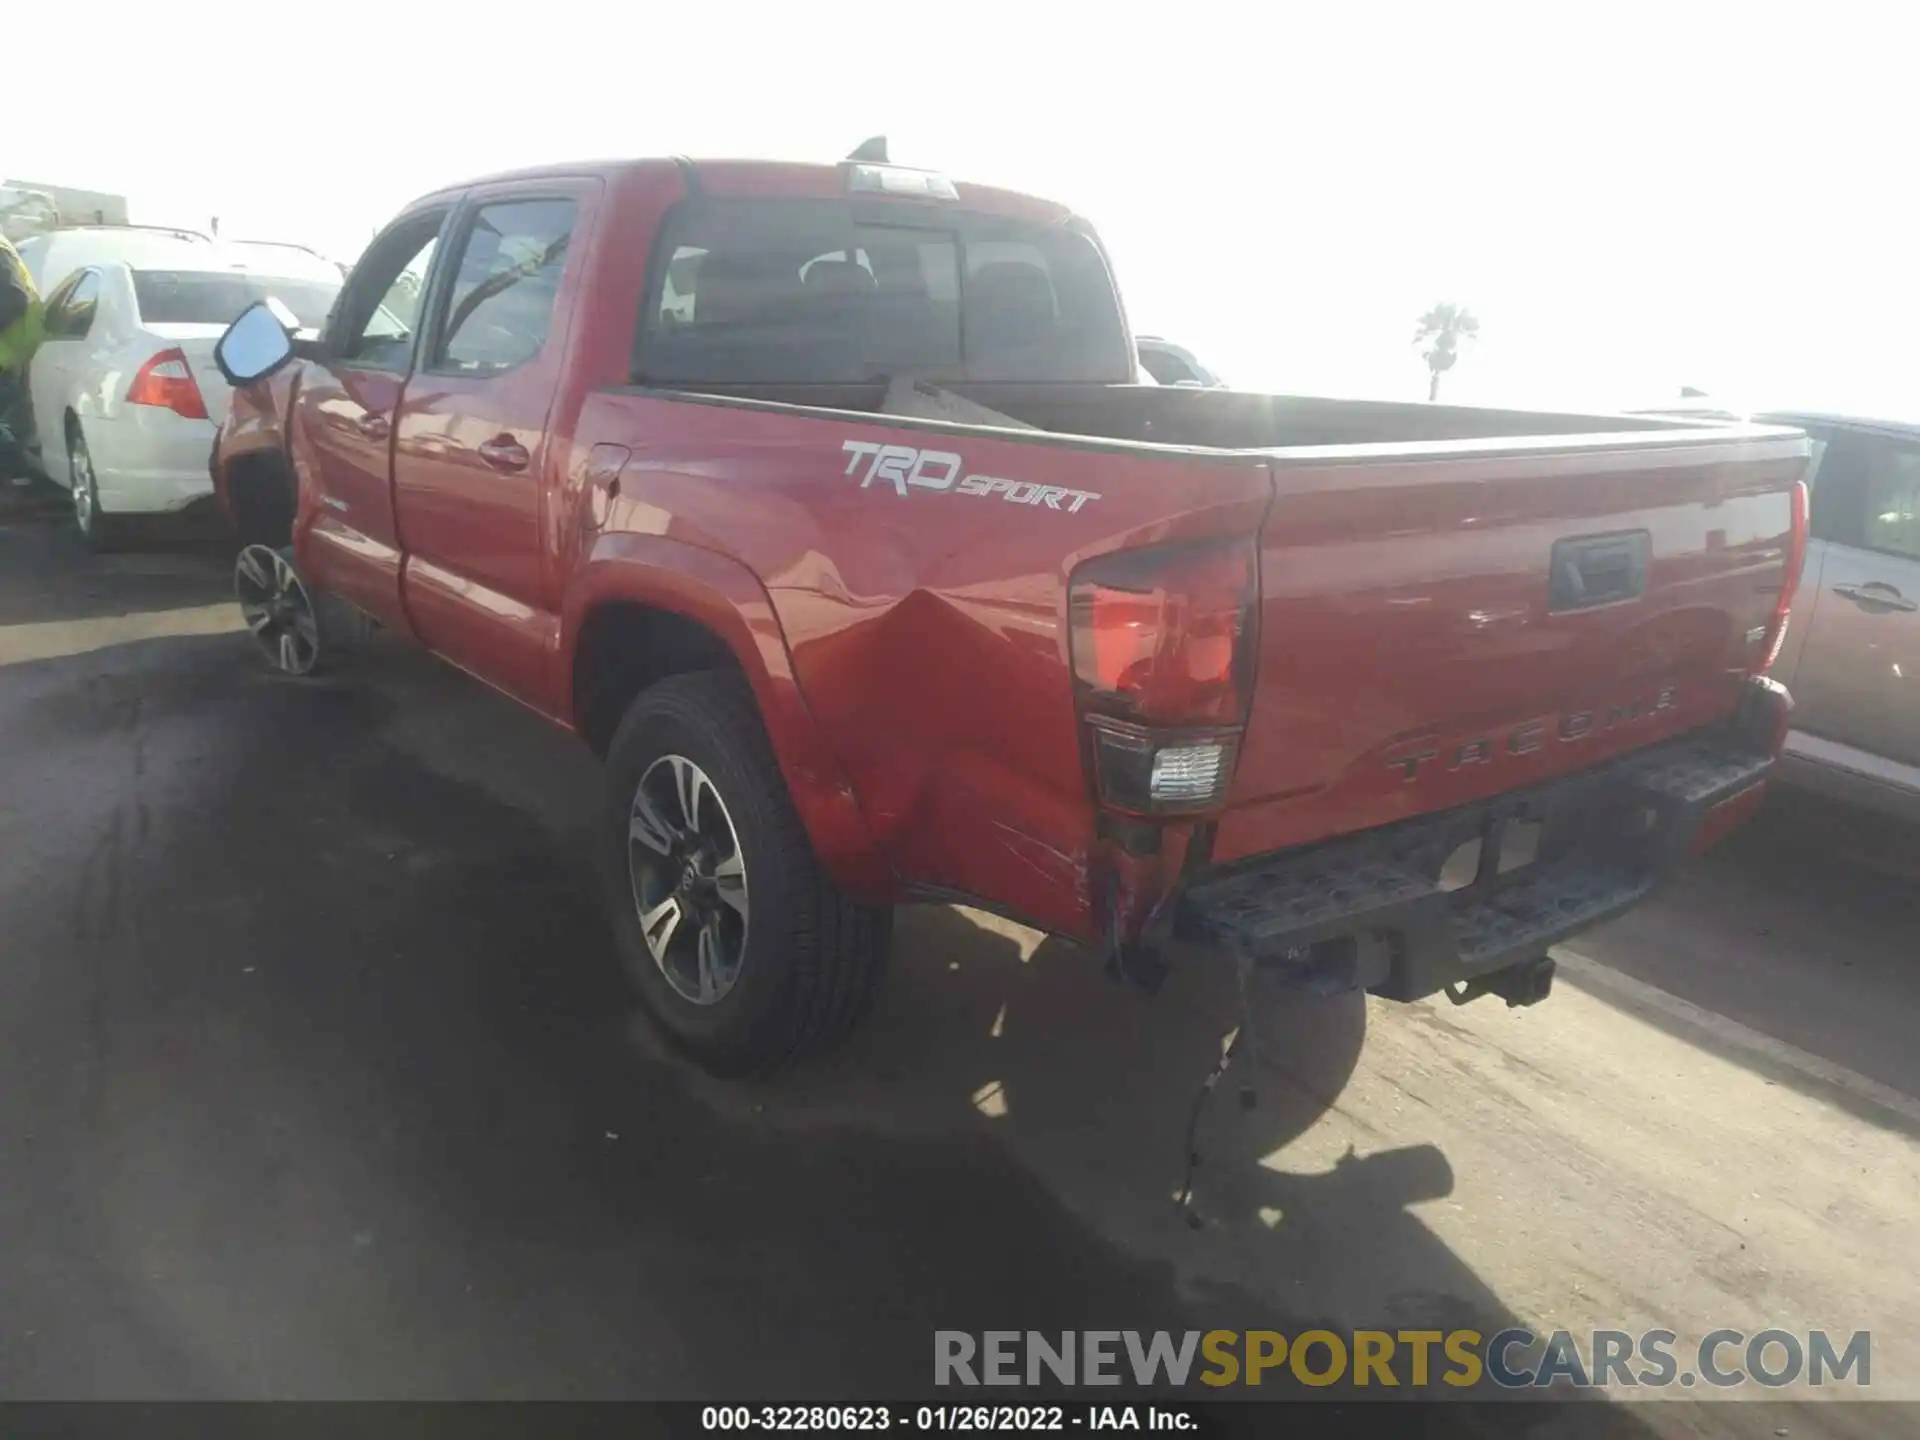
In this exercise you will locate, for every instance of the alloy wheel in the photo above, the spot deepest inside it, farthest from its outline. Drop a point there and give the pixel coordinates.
(86, 494)
(277, 608)
(689, 880)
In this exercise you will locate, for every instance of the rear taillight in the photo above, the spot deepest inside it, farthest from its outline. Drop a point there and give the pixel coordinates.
(1796, 561)
(166, 381)
(1162, 644)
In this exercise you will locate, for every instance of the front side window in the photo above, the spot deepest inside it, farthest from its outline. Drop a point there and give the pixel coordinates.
(380, 309)
(502, 299)
(802, 291)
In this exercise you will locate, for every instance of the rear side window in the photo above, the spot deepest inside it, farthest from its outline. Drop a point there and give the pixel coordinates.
(1831, 470)
(215, 297)
(1893, 501)
(70, 310)
(806, 291)
(502, 300)
(1866, 492)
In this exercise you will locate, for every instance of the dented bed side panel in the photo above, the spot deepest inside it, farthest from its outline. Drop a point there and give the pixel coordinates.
(919, 573)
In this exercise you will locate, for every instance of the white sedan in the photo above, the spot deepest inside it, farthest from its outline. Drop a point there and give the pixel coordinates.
(125, 393)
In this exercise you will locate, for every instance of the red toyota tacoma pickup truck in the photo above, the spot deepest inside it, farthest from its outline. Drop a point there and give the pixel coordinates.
(820, 501)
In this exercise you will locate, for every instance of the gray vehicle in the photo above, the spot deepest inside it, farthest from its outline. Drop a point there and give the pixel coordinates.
(1852, 653)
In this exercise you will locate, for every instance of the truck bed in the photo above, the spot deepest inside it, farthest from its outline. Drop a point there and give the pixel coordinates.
(1230, 419)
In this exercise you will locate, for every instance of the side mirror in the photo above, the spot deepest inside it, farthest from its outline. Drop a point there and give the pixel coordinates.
(257, 343)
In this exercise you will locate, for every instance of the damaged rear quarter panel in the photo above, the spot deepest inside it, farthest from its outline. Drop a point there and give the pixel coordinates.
(927, 624)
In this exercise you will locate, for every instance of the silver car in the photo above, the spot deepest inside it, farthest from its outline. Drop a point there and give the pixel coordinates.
(1852, 654)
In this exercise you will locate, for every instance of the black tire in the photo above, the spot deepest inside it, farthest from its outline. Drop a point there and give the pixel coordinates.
(811, 956)
(98, 531)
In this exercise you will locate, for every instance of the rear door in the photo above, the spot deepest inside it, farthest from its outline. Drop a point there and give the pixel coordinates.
(470, 451)
(1857, 679)
(61, 357)
(342, 426)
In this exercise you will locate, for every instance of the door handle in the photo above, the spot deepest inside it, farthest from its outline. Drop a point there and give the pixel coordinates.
(503, 452)
(374, 427)
(1878, 592)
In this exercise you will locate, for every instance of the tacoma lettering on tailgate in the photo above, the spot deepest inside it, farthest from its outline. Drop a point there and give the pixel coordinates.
(1533, 735)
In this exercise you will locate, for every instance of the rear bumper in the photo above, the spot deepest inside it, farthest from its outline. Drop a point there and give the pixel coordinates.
(147, 460)
(1372, 911)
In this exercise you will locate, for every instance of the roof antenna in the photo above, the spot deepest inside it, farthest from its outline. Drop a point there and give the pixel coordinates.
(872, 151)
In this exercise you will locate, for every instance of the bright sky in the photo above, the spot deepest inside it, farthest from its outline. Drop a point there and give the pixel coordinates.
(1631, 198)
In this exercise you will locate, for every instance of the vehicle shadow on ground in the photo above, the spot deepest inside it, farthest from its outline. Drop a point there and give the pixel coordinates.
(1799, 926)
(51, 576)
(328, 1088)
(1092, 1086)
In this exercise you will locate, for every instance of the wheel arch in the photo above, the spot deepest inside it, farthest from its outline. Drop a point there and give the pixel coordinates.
(255, 482)
(642, 608)
(69, 427)
(259, 493)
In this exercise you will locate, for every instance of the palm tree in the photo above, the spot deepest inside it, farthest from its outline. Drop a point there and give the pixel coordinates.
(1441, 330)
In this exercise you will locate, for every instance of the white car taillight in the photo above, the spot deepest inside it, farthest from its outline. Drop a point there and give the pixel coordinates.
(166, 381)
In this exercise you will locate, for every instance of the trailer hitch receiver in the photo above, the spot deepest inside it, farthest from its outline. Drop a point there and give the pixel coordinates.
(1527, 983)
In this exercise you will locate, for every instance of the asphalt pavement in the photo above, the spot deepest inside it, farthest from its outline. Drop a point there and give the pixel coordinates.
(317, 1080)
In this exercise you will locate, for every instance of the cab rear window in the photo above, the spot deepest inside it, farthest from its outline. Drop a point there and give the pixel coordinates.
(786, 291)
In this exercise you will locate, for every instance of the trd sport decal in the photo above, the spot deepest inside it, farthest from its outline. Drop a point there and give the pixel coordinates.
(902, 465)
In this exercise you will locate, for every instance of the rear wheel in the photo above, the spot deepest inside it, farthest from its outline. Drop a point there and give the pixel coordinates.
(97, 530)
(741, 948)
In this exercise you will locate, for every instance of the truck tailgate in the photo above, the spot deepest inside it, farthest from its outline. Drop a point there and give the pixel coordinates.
(1439, 627)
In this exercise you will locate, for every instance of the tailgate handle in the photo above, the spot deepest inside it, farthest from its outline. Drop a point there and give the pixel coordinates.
(1590, 570)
